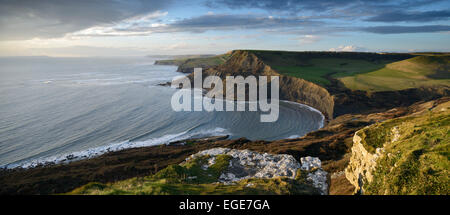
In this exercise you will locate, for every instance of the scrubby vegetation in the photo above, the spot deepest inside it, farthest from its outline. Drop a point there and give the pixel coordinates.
(192, 179)
(416, 157)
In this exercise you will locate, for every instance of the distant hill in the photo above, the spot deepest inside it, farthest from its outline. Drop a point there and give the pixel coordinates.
(187, 64)
(172, 57)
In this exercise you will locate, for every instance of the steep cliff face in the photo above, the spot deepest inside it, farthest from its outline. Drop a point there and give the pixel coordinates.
(294, 89)
(362, 164)
(403, 156)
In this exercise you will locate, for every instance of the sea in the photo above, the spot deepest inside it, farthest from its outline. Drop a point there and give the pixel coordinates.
(55, 110)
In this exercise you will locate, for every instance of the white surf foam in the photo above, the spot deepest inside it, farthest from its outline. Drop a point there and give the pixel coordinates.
(322, 121)
(94, 152)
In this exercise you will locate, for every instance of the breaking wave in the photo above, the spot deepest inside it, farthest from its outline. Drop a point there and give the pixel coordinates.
(97, 151)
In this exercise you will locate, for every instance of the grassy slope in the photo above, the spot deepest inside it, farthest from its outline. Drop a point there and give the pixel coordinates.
(415, 72)
(319, 68)
(191, 179)
(316, 66)
(361, 71)
(418, 162)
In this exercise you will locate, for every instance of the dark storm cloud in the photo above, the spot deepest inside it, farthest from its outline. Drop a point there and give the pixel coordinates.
(25, 19)
(406, 29)
(417, 16)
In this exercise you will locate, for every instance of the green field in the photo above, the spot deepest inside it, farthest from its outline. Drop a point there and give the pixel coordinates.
(318, 69)
(362, 71)
(411, 73)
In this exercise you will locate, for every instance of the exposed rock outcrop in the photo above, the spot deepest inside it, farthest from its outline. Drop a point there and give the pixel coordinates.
(316, 174)
(361, 165)
(248, 164)
(405, 155)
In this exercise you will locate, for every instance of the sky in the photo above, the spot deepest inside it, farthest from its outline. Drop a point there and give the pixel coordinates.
(83, 28)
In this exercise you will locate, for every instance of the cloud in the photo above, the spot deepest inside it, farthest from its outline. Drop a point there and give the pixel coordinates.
(240, 21)
(325, 6)
(26, 19)
(406, 29)
(417, 16)
(198, 24)
(282, 5)
(348, 48)
(125, 27)
(308, 39)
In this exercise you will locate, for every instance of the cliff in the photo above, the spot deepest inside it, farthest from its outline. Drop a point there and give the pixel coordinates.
(406, 155)
(362, 164)
(245, 63)
(332, 99)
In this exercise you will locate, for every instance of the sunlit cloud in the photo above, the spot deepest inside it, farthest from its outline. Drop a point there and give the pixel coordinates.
(348, 48)
(125, 27)
(308, 39)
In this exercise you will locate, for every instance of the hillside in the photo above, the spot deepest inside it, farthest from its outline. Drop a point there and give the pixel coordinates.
(245, 63)
(319, 67)
(407, 155)
(411, 73)
(222, 171)
(312, 78)
(187, 64)
(368, 72)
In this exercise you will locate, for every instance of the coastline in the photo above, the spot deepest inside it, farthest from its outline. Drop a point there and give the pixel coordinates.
(121, 146)
(331, 145)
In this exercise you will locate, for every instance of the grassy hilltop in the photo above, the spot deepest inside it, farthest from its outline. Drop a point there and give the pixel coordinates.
(362, 71)
(414, 72)
(187, 64)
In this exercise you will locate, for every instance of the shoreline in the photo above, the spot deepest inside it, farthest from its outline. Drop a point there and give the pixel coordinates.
(330, 144)
(168, 139)
(66, 158)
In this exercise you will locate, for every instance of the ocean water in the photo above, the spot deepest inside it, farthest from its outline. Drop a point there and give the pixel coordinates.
(55, 109)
